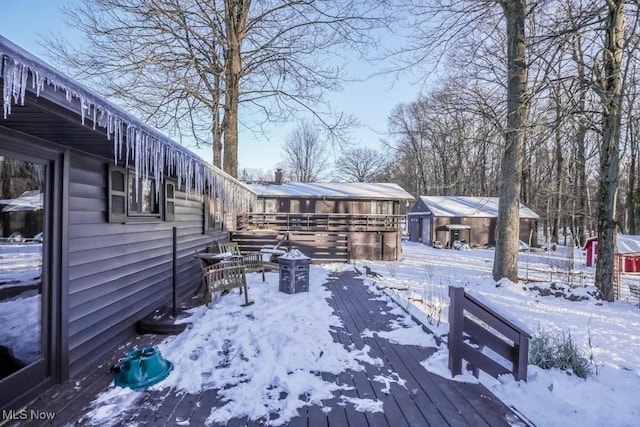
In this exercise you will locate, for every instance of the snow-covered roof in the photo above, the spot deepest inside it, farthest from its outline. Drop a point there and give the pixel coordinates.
(628, 244)
(458, 206)
(337, 190)
(133, 141)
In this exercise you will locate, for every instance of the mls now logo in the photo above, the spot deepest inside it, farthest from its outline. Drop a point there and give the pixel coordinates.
(27, 415)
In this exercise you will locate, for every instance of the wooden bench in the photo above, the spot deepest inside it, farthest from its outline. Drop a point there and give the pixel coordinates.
(225, 276)
(252, 261)
(635, 291)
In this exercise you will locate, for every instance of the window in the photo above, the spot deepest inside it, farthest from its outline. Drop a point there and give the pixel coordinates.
(382, 207)
(265, 206)
(132, 199)
(213, 214)
(142, 196)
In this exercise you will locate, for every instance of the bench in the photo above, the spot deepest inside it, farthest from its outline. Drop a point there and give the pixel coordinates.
(251, 261)
(225, 276)
(635, 291)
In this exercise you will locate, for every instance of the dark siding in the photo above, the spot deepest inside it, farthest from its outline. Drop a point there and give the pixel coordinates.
(118, 273)
(413, 227)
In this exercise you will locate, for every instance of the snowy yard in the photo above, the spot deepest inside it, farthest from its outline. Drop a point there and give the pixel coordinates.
(607, 332)
(279, 345)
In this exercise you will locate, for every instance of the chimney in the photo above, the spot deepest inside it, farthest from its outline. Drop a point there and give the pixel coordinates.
(278, 174)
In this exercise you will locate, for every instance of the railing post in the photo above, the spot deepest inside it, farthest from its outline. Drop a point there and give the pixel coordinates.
(456, 321)
(521, 358)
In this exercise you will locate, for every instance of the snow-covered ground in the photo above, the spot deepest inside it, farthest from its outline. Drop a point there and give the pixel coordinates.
(20, 268)
(20, 265)
(282, 342)
(607, 332)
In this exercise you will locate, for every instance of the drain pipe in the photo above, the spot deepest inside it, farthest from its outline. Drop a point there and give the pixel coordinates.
(163, 320)
(174, 272)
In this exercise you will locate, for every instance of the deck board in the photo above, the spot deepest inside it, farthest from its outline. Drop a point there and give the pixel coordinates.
(415, 408)
(425, 400)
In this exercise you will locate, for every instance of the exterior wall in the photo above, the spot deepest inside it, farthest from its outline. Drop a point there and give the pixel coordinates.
(483, 230)
(118, 273)
(480, 232)
(385, 246)
(414, 228)
(529, 230)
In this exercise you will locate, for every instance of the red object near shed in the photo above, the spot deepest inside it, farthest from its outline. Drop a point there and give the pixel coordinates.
(628, 252)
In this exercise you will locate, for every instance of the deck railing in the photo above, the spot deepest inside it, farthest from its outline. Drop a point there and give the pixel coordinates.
(489, 329)
(319, 221)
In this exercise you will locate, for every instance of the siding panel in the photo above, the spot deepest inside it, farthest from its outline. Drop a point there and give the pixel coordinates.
(118, 273)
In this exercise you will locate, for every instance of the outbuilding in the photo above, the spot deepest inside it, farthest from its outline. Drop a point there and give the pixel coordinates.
(627, 252)
(441, 220)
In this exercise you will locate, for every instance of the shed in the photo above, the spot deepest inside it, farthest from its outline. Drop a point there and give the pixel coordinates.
(435, 220)
(95, 195)
(628, 251)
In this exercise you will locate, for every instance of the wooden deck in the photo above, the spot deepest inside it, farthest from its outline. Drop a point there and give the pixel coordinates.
(425, 400)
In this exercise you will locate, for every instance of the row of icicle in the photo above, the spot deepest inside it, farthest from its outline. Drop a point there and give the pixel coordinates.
(149, 151)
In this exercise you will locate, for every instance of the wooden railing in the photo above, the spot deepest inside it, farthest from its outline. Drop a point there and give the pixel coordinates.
(319, 221)
(319, 246)
(489, 329)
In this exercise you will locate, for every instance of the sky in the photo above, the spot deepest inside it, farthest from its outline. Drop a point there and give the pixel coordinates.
(370, 102)
(274, 346)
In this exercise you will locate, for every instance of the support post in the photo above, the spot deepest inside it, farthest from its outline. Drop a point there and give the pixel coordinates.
(456, 321)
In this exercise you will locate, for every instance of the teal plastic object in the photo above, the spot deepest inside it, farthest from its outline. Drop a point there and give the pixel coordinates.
(141, 368)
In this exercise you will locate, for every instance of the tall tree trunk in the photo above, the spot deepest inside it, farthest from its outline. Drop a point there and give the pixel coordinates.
(216, 130)
(580, 211)
(557, 205)
(582, 191)
(236, 12)
(631, 191)
(505, 263)
(609, 151)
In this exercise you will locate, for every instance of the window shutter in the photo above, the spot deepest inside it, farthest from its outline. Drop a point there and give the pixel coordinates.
(117, 197)
(169, 200)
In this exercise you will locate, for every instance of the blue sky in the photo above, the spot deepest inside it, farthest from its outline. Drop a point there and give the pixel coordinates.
(23, 21)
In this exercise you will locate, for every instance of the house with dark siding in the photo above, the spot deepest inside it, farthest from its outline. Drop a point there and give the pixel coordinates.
(93, 254)
(440, 220)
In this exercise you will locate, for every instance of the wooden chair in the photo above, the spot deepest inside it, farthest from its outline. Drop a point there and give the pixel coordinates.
(225, 276)
(203, 267)
(252, 261)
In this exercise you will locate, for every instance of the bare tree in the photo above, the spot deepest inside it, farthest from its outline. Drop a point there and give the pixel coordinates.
(443, 24)
(505, 262)
(444, 143)
(360, 164)
(306, 154)
(187, 66)
(611, 94)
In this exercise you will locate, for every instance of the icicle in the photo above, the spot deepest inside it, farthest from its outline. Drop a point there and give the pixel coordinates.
(83, 108)
(21, 74)
(7, 77)
(151, 154)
